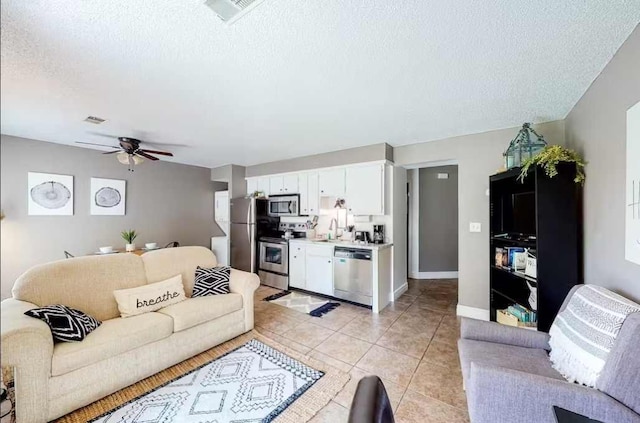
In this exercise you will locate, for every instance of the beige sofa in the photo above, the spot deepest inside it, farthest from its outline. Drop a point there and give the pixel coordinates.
(55, 379)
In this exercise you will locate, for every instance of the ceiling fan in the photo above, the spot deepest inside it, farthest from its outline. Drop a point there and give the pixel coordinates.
(129, 151)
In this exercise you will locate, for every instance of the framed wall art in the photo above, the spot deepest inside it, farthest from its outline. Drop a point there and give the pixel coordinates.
(49, 194)
(108, 197)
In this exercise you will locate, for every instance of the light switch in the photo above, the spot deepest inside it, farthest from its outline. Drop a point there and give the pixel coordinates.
(487, 192)
(475, 227)
(443, 176)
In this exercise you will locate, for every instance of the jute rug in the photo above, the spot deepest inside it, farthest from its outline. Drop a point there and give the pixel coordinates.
(300, 410)
(304, 303)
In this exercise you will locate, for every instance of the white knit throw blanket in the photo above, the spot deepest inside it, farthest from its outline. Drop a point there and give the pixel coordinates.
(583, 334)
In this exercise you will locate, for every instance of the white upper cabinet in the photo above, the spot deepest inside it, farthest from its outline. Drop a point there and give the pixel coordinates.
(263, 185)
(365, 189)
(276, 186)
(303, 190)
(313, 193)
(290, 184)
(332, 183)
(221, 206)
(252, 185)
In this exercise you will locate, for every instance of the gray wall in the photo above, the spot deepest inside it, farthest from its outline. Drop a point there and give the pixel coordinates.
(438, 221)
(596, 127)
(368, 153)
(164, 202)
(234, 176)
(477, 156)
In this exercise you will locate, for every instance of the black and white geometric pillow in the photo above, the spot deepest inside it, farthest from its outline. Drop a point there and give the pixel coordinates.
(211, 281)
(67, 324)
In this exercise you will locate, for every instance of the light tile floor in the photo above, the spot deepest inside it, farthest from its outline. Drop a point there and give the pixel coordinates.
(411, 345)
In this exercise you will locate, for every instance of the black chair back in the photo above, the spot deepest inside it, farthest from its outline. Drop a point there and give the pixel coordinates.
(371, 403)
(172, 244)
(68, 254)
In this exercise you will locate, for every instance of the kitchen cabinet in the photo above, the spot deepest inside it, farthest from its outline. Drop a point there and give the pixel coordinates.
(221, 206)
(313, 193)
(303, 190)
(263, 185)
(319, 269)
(365, 189)
(276, 185)
(252, 185)
(332, 182)
(297, 265)
(290, 184)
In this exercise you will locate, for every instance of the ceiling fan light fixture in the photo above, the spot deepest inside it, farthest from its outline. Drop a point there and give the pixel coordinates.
(137, 159)
(123, 158)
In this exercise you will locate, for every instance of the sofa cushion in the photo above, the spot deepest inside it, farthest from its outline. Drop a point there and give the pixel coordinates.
(166, 262)
(113, 337)
(151, 297)
(529, 360)
(84, 283)
(195, 311)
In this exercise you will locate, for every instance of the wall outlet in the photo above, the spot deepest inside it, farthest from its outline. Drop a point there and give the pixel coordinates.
(475, 227)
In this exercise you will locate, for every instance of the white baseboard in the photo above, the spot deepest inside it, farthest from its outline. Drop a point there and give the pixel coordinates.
(434, 275)
(398, 292)
(472, 312)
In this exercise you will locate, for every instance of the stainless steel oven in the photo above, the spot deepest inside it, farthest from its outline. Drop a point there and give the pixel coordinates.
(284, 205)
(274, 262)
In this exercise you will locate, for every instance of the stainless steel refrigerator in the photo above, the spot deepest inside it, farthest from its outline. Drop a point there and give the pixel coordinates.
(249, 221)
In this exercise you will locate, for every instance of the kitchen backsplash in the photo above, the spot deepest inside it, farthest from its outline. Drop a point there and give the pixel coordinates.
(324, 221)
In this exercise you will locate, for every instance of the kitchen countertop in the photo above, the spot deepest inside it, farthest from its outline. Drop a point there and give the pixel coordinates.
(340, 243)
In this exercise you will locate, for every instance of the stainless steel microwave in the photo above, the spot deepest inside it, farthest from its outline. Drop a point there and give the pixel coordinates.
(284, 205)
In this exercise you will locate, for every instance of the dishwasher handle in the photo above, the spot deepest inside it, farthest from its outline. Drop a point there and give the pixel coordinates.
(352, 253)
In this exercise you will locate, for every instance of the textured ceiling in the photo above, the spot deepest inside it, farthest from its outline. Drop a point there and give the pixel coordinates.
(297, 77)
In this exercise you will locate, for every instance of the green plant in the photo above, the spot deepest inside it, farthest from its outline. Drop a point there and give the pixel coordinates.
(549, 157)
(129, 236)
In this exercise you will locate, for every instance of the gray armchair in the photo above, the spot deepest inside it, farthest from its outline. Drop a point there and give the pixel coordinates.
(508, 376)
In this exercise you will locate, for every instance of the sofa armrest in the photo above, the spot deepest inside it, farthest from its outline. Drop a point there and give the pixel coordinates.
(245, 283)
(27, 345)
(480, 330)
(498, 394)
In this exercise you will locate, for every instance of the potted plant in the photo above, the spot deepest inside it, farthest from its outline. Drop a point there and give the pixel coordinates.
(549, 157)
(129, 236)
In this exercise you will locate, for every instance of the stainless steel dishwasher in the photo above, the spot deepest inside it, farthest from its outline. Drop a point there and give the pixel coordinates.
(353, 275)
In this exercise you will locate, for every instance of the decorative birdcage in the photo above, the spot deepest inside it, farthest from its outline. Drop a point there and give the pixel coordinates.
(523, 146)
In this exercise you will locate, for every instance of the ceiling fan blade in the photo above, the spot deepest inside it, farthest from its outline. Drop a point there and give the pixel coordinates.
(145, 155)
(163, 153)
(112, 152)
(162, 144)
(100, 145)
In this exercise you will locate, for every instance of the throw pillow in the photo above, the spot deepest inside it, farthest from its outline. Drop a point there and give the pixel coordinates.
(67, 324)
(151, 297)
(211, 281)
(583, 334)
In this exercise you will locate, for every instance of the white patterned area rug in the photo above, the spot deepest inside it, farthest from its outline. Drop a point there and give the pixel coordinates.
(250, 384)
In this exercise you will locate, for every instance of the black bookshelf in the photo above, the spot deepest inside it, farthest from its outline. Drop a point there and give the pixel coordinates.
(544, 215)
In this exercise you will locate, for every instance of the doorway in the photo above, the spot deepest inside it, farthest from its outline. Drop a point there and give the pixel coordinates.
(433, 221)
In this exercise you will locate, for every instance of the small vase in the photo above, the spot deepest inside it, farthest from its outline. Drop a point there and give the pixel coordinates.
(130, 247)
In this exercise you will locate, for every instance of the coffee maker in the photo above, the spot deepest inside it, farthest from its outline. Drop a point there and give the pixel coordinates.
(378, 234)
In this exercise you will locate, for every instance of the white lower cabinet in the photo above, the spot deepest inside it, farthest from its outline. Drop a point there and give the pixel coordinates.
(319, 269)
(297, 265)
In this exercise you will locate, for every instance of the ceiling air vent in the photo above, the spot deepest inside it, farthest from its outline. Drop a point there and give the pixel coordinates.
(232, 10)
(94, 119)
